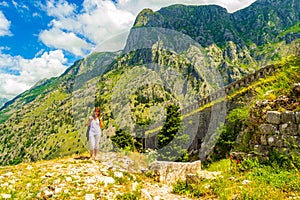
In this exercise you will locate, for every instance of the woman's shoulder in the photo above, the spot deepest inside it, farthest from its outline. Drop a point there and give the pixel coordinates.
(91, 117)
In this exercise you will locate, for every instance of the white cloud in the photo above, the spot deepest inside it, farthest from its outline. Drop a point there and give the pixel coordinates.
(4, 25)
(60, 8)
(4, 4)
(97, 21)
(68, 41)
(49, 64)
(20, 6)
(104, 20)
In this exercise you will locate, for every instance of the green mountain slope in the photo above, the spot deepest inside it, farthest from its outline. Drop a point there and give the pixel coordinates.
(39, 123)
(179, 54)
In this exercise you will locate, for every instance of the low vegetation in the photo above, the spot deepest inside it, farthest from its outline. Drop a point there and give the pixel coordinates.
(244, 180)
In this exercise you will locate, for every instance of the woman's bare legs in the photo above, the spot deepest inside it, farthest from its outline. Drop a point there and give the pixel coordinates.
(95, 152)
(91, 154)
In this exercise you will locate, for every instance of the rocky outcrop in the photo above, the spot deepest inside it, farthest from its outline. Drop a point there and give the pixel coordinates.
(170, 172)
(110, 176)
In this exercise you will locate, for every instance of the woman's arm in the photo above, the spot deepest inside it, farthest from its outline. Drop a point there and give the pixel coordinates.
(101, 124)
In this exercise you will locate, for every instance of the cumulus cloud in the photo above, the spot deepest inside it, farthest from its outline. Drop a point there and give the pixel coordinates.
(60, 8)
(30, 71)
(4, 25)
(62, 40)
(105, 21)
(97, 21)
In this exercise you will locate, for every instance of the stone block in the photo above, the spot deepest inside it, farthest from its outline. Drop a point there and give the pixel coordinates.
(297, 117)
(288, 129)
(288, 116)
(273, 117)
(274, 141)
(263, 140)
(170, 172)
(269, 129)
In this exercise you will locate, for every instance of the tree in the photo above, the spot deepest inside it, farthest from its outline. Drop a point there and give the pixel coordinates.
(171, 139)
(171, 126)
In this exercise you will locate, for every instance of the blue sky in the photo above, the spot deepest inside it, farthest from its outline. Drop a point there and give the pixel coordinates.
(41, 38)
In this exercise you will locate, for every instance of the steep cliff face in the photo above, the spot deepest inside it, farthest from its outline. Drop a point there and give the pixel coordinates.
(259, 23)
(237, 42)
(205, 24)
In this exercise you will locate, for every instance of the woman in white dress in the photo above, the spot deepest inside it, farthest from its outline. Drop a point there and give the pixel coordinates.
(94, 133)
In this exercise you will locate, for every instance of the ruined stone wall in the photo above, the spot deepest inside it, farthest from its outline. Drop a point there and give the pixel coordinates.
(281, 131)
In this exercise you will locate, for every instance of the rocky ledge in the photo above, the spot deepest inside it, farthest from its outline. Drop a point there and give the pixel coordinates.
(109, 176)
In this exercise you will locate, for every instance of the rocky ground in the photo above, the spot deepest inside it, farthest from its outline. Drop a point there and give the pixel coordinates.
(109, 176)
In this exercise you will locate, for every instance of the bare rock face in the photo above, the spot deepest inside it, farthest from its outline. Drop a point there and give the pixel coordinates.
(170, 172)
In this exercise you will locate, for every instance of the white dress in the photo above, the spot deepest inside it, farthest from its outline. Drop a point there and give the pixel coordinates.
(95, 134)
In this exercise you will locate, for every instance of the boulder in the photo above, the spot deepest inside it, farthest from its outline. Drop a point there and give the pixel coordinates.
(171, 172)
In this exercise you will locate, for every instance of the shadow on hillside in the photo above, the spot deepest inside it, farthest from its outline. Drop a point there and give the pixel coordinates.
(82, 158)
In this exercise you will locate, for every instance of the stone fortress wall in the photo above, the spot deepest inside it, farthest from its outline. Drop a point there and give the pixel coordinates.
(281, 131)
(205, 115)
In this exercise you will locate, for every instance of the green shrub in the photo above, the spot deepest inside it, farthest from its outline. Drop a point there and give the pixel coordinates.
(124, 140)
(193, 190)
(181, 187)
(288, 161)
(235, 122)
